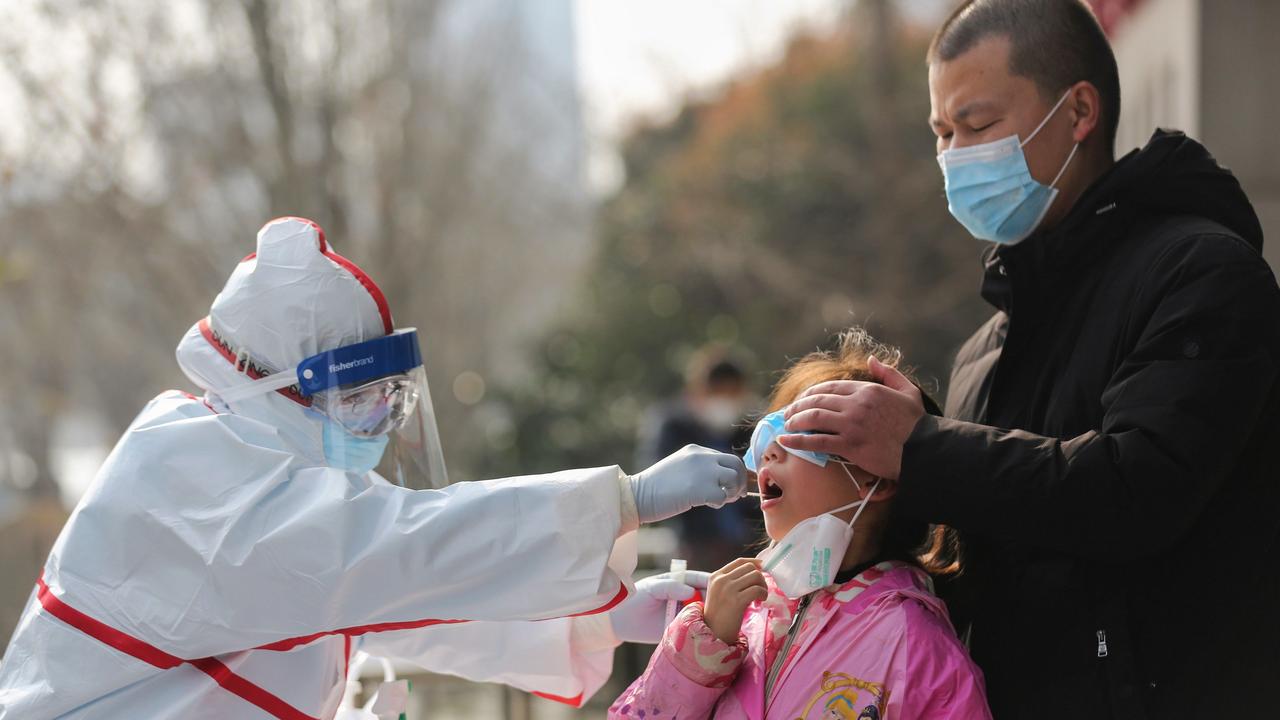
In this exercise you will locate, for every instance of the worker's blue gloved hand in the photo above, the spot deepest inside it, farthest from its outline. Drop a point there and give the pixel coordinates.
(688, 478)
(642, 617)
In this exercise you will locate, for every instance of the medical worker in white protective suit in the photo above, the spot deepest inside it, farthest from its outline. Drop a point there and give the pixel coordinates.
(236, 550)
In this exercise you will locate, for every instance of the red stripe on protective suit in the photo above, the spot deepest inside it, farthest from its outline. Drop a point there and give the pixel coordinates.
(206, 330)
(575, 701)
(376, 292)
(104, 633)
(291, 643)
(384, 310)
(202, 401)
(617, 599)
(223, 675)
(246, 690)
(153, 655)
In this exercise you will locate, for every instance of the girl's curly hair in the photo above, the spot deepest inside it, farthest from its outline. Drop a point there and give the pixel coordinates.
(934, 548)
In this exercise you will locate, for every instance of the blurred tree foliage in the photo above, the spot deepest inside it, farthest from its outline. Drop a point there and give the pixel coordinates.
(139, 157)
(805, 198)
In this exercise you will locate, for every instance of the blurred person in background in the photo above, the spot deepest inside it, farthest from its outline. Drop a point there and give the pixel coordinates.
(236, 549)
(710, 412)
(1109, 447)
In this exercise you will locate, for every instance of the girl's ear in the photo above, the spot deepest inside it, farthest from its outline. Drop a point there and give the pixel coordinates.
(864, 481)
(884, 491)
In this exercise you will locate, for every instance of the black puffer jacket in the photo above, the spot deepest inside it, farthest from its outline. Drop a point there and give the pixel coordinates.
(1111, 456)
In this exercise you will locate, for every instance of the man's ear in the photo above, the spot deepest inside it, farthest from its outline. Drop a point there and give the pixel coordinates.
(1085, 106)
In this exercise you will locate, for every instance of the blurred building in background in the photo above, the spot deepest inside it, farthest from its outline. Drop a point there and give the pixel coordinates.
(513, 265)
(1208, 68)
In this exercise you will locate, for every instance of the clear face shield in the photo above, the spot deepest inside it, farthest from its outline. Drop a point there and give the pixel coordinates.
(375, 405)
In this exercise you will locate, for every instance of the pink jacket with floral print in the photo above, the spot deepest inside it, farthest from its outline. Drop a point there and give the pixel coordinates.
(877, 647)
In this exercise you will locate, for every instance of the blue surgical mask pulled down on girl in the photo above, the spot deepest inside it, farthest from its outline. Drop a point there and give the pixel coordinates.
(767, 431)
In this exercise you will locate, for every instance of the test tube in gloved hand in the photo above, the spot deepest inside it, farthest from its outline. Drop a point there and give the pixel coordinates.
(678, 568)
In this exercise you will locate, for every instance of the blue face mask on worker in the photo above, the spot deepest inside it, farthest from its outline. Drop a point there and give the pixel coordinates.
(990, 189)
(358, 420)
(350, 452)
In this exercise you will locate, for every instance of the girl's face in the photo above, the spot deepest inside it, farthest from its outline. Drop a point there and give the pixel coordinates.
(793, 489)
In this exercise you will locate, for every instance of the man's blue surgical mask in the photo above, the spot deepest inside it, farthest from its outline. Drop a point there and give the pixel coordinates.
(990, 189)
(349, 452)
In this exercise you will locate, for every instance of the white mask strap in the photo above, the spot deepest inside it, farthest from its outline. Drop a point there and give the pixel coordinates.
(848, 472)
(860, 504)
(1045, 121)
(1064, 165)
(276, 381)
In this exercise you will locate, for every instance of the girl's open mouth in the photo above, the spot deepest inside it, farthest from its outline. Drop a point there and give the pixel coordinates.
(770, 491)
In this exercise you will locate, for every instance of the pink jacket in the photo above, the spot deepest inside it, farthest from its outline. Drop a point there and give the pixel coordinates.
(877, 647)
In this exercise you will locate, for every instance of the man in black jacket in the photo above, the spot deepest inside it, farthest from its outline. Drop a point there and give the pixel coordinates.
(1110, 453)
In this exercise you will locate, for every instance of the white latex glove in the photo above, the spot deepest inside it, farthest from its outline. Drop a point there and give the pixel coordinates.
(685, 479)
(642, 617)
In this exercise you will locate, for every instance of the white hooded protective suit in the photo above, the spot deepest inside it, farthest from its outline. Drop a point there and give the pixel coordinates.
(217, 568)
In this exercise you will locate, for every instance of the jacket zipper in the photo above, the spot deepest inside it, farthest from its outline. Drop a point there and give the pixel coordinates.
(776, 670)
(1102, 643)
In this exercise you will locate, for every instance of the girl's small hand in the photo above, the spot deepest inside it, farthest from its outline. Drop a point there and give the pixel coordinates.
(732, 588)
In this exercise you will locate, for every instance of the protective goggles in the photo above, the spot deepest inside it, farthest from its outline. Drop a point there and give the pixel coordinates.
(367, 388)
(371, 389)
(767, 431)
(371, 409)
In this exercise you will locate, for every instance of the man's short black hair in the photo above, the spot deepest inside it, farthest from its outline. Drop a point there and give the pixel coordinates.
(1054, 43)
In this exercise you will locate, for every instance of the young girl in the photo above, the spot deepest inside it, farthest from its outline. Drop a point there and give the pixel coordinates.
(837, 618)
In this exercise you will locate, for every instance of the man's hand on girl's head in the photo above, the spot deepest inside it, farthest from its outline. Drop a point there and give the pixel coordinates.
(866, 423)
